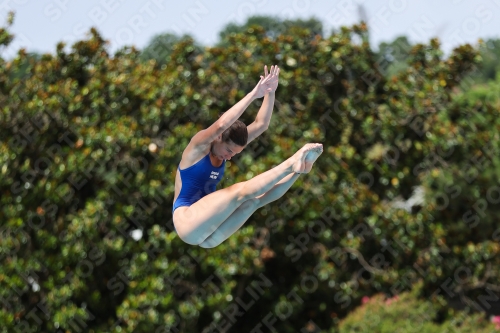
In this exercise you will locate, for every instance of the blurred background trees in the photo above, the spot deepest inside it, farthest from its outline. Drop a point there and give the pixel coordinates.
(402, 205)
(490, 52)
(161, 47)
(273, 26)
(394, 55)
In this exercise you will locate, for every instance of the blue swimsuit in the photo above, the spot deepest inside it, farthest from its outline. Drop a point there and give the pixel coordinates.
(198, 181)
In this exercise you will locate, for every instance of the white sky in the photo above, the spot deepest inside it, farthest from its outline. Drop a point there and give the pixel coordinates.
(40, 24)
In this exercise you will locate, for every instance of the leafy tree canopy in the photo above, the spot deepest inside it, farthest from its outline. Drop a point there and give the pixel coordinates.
(393, 56)
(161, 47)
(490, 54)
(273, 26)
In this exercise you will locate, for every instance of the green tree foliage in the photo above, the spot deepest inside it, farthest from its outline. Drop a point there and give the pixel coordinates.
(406, 313)
(161, 47)
(490, 53)
(273, 26)
(475, 95)
(393, 56)
(89, 146)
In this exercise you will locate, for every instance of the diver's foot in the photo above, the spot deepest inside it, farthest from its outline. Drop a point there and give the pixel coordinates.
(312, 156)
(303, 163)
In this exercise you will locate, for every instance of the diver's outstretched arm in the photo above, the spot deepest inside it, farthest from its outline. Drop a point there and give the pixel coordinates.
(207, 136)
(261, 122)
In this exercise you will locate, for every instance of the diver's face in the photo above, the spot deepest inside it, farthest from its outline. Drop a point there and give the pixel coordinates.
(225, 150)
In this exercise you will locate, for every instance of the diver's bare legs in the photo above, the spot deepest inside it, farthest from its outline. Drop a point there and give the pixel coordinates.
(241, 215)
(198, 221)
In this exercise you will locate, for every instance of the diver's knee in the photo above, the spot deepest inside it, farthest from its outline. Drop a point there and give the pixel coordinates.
(256, 203)
(241, 192)
(209, 243)
(250, 204)
(189, 238)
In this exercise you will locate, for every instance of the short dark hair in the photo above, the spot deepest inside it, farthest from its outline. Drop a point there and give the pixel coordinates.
(237, 133)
